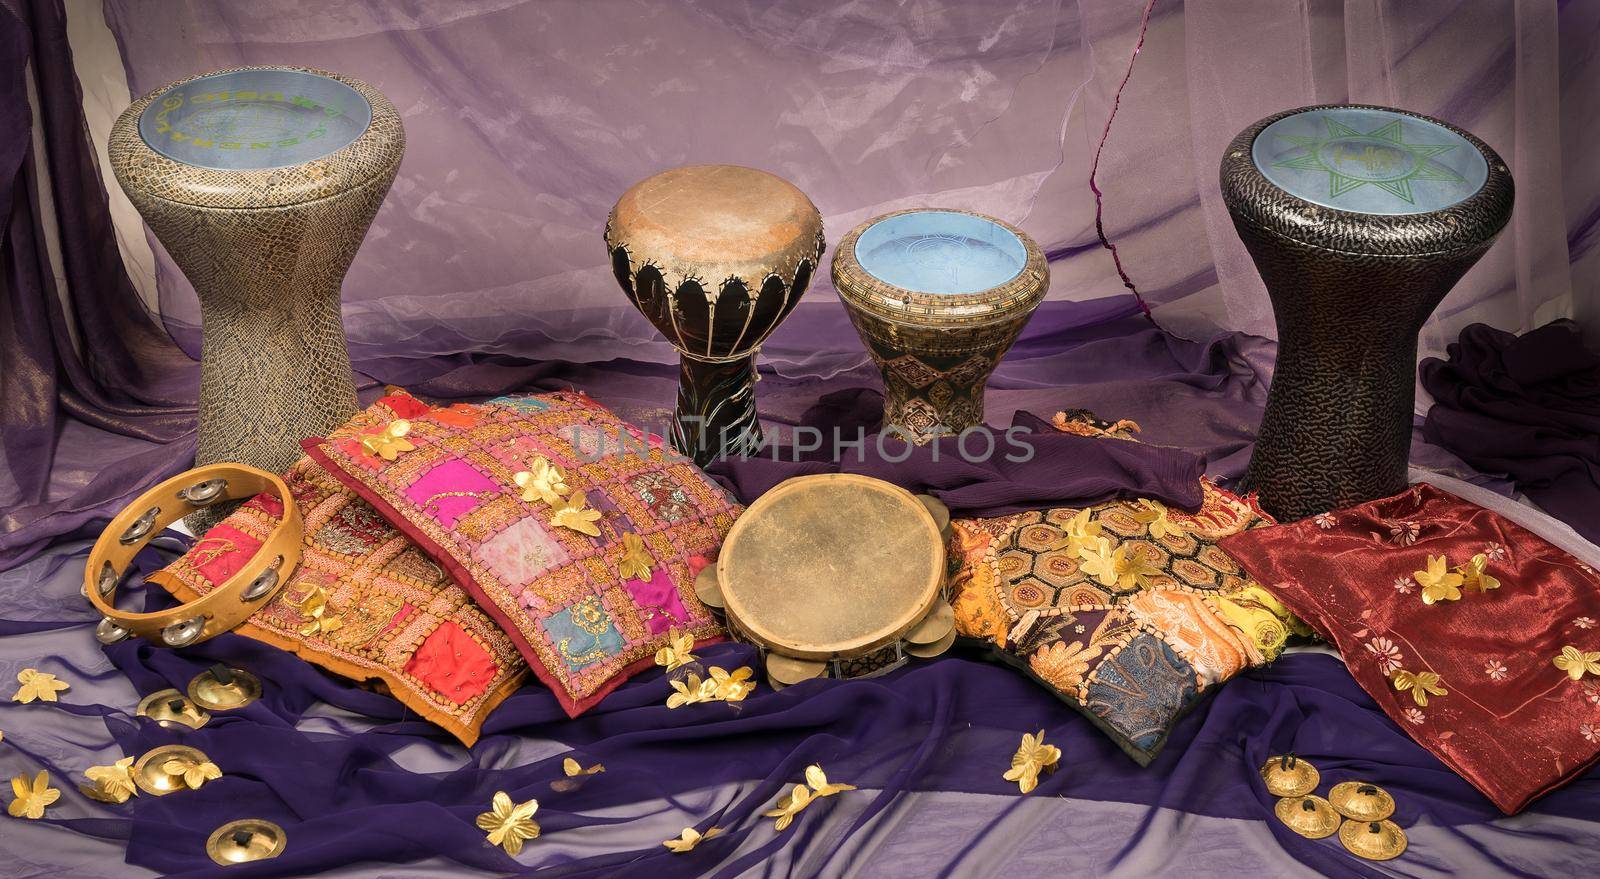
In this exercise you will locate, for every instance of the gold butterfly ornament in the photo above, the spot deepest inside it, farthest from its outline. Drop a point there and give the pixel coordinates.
(1577, 663)
(690, 838)
(795, 802)
(1475, 574)
(193, 772)
(1420, 684)
(111, 784)
(636, 560)
(572, 768)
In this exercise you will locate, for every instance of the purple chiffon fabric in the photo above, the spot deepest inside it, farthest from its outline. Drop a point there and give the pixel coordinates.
(1527, 406)
(984, 473)
(362, 788)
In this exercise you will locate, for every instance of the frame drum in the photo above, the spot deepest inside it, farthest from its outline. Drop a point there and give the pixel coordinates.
(261, 183)
(938, 297)
(835, 575)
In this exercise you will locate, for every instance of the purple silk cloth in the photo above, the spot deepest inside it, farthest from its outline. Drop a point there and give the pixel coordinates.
(927, 745)
(987, 473)
(1528, 406)
(98, 401)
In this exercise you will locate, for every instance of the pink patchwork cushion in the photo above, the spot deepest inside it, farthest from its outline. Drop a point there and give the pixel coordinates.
(587, 610)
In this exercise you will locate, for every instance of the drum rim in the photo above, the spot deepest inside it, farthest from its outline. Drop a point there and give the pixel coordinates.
(860, 289)
(1468, 224)
(762, 637)
(374, 154)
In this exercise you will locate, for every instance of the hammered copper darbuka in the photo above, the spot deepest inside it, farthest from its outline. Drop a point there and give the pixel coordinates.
(938, 297)
(834, 575)
(715, 257)
(1360, 220)
(261, 183)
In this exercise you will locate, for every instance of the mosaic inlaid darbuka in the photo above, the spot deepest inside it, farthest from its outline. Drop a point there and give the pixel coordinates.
(261, 183)
(938, 297)
(1360, 220)
(715, 257)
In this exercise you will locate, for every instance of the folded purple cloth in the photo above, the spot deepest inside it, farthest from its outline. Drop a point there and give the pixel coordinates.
(1526, 406)
(1026, 467)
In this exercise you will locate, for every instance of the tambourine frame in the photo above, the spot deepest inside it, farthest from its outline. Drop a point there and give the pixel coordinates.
(929, 595)
(233, 600)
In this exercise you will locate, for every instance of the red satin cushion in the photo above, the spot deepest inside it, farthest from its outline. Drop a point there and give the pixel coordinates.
(1510, 721)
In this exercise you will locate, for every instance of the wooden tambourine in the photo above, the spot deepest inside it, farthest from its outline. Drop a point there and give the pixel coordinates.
(224, 607)
(834, 575)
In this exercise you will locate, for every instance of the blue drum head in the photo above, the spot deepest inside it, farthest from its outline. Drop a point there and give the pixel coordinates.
(249, 120)
(941, 252)
(1369, 161)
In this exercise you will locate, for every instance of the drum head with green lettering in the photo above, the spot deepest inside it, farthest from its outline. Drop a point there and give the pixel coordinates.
(1369, 161)
(249, 120)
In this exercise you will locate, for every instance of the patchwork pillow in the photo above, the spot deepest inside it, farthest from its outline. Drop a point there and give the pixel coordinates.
(1127, 610)
(579, 533)
(1476, 636)
(365, 603)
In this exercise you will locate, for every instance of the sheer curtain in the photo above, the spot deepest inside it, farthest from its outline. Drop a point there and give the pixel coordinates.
(527, 119)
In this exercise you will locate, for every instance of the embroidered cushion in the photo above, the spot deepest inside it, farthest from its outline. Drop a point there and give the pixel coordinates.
(366, 603)
(1128, 610)
(1475, 635)
(579, 534)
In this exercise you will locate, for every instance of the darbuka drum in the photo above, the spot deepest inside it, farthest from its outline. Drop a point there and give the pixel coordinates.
(938, 297)
(715, 256)
(1360, 219)
(261, 183)
(835, 575)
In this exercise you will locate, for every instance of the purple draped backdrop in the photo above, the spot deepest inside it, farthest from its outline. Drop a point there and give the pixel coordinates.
(998, 116)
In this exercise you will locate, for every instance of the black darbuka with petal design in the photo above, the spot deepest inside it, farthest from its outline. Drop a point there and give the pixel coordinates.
(1360, 220)
(715, 256)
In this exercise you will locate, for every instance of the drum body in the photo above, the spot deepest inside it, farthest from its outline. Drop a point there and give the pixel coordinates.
(1360, 219)
(261, 184)
(938, 297)
(715, 257)
(834, 575)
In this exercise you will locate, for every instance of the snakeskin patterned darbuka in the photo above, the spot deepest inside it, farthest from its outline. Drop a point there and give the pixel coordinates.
(715, 257)
(266, 247)
(938, 297)
(1350, 290)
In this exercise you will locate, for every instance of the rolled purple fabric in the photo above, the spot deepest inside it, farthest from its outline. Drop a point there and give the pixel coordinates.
(985, 473)
(1528, 406)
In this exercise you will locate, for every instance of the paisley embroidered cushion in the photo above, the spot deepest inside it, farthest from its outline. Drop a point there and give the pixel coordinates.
(577, 532)
(1128, 610)
(1475, 635)
(366, 602)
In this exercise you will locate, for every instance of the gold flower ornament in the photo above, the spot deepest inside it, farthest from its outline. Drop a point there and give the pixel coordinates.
(795, 802)
(1033, 757)
(636, 560)
(1475, 574)
(194, 773)
(1438, 582)
(389, 442)
(543, 482)
(690, 838)
(677, 652)
(40, 685)
(31, 799)
(577, 515)
(508, 824)
(1421, 685)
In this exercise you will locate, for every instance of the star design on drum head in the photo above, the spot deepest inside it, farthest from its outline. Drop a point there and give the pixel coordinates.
(1380, 158)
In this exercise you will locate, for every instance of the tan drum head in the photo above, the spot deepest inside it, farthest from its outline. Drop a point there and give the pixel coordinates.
(830, 566)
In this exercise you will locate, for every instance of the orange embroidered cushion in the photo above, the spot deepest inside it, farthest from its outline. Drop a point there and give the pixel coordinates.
(366, 603)
(1127, 610)
(577, 532)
